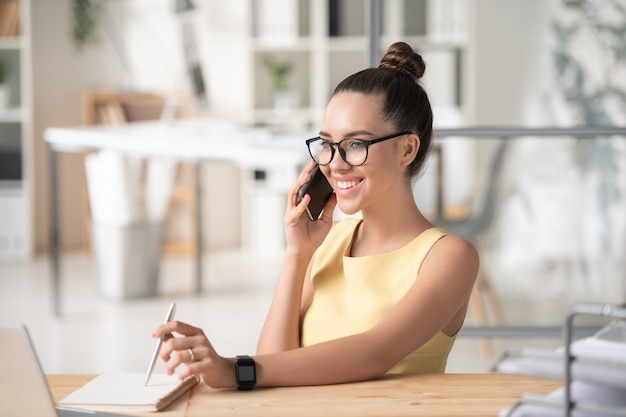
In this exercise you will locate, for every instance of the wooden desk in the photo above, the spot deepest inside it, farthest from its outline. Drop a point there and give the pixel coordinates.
(421, 395)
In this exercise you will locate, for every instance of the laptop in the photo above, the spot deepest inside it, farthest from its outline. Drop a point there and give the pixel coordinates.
(24, 391)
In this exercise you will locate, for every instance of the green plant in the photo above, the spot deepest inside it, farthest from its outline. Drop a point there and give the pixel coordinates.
(85, 16)
(591, 98)
(279, 72)
(606, 32)
(5, 67)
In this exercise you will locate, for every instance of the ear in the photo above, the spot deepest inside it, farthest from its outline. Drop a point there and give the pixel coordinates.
(410, 146)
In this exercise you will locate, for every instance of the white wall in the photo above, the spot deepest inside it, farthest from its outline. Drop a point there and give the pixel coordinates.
(60, 77)
(511, 60)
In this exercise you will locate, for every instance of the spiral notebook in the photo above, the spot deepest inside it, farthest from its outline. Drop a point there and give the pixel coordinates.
(125, 392)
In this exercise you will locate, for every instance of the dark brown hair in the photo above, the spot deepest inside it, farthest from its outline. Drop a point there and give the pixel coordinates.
(405, 103)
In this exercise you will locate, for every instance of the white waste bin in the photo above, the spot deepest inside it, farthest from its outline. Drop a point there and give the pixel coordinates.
(127, 259)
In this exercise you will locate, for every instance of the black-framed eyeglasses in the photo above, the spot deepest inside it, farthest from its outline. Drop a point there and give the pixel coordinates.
(353, 151)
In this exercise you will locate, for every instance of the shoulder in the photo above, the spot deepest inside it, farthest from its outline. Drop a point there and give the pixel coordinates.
(456, 244)
(454, 255)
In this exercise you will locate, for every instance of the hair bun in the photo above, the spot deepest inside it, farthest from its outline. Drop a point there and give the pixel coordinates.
(401, 57)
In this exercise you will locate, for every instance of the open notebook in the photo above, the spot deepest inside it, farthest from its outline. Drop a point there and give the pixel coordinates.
(24, 391)
(125, 392)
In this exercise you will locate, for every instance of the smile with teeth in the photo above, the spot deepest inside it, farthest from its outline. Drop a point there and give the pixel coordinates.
(344, 185)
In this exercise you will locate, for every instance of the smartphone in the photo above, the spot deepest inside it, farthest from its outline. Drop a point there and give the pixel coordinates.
(320, 191)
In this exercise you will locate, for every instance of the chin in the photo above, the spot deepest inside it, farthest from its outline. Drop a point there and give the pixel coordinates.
(349, 211)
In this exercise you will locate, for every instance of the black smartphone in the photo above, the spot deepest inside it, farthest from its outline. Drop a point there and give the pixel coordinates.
(320, 191)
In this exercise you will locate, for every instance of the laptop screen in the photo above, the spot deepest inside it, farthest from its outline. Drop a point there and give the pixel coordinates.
(23, 387)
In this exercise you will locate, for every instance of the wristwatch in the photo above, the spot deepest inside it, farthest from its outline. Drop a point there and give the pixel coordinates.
(245, 370)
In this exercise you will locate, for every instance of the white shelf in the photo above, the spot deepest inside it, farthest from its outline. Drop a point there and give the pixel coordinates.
(321, 60)
(11, 187)
(300, 44)
(347, 43)
(12, 115)
(9, 43)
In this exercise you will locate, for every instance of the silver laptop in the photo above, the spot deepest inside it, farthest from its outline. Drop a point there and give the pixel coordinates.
(24, 390)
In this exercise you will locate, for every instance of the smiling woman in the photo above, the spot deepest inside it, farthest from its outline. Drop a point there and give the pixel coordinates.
(355, 300)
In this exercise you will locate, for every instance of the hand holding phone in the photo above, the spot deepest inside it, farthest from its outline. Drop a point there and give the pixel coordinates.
(320, 191)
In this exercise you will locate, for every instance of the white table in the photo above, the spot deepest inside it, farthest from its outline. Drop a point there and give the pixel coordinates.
(184, 140)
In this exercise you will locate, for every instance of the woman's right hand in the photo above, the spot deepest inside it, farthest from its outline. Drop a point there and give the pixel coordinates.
(303, 235)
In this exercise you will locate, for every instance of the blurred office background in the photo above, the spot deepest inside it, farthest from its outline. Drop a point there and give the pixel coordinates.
(555, 223)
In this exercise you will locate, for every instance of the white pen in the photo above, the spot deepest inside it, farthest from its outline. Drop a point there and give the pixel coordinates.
(169, 317)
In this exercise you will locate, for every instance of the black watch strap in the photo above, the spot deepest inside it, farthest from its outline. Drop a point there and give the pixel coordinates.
(245, 371)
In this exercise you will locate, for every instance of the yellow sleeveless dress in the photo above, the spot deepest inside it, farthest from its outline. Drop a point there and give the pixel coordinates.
(352, 293)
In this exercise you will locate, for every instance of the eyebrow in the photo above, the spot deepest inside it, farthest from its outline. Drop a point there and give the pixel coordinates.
(350, 134)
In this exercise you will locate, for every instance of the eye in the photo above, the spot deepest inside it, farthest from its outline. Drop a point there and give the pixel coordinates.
(324, 144)
(353, 144)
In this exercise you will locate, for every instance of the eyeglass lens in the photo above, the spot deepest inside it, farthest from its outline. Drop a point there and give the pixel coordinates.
(353, 151)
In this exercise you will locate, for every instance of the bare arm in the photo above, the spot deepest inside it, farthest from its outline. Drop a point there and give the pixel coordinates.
(435, 302)
(281, 330)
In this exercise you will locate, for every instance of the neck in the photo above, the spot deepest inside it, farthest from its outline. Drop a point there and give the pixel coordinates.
(389, 229)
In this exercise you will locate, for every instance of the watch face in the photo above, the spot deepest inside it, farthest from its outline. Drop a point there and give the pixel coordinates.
(246, 373)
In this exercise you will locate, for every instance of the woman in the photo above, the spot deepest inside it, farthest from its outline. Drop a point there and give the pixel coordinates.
(363, 297)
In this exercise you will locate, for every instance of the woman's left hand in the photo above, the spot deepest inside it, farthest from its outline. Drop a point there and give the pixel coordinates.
(194, 351)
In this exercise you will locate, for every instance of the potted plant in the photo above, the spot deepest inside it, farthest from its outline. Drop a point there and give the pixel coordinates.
(284, 97)
(5, 67)
(85, 17)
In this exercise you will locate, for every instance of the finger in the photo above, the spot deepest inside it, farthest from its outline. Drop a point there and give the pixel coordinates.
(177, 358)
(171, 344)
(190, 369)
(204, 365)
(188, 357)
(295, 213)
(303, 178)
(184, 343)
(178, 327)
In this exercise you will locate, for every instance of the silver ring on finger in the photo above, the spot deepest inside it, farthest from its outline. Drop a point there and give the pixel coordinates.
(192, 357)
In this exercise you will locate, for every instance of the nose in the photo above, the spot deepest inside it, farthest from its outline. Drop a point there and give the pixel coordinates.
(338, 162)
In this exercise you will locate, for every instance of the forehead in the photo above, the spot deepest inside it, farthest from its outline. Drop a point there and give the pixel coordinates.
(347, 112)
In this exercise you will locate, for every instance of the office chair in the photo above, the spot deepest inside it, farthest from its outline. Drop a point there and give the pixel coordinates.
(472, 228)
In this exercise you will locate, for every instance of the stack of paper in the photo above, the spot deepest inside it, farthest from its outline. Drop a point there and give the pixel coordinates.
(598, 376)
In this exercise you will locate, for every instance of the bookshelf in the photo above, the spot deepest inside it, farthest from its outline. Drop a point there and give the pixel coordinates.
(324, 41)
(115, 107)
(15, 130)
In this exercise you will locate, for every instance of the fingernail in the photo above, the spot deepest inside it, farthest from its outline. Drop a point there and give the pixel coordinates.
(154, 334)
